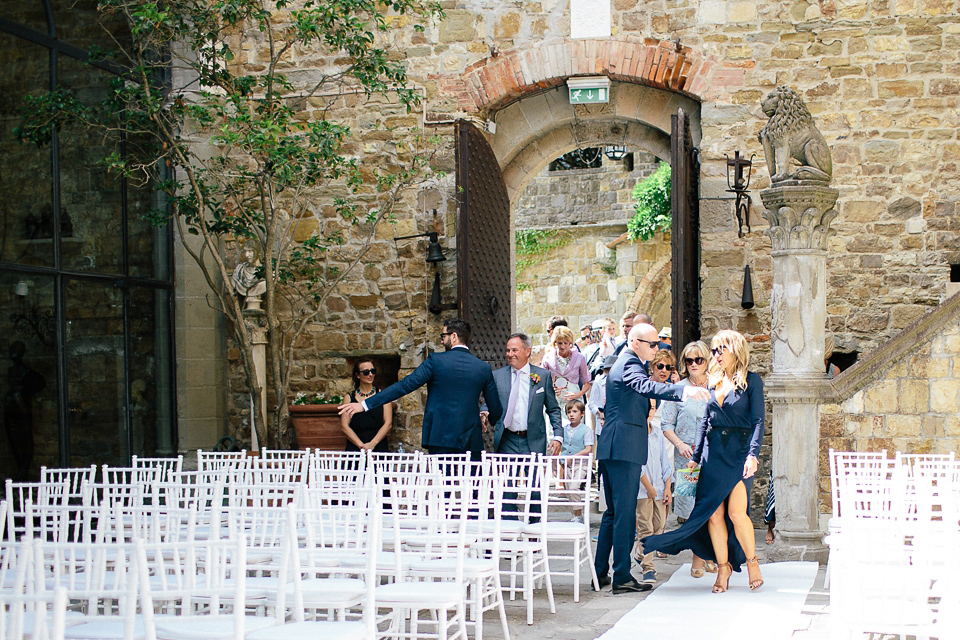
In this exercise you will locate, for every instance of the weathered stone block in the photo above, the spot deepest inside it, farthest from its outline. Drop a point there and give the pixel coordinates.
(882, 397)
(943, 396)
(914, 396)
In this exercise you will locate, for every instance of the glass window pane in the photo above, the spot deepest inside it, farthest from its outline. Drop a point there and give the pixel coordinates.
(29, 13)
(79, 23)
(91, 198)
(29, 385)
(147, 245)
(95, 374)
(26, 210)
(150, 373)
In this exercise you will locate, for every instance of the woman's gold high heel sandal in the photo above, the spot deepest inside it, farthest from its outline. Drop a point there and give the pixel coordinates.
(753, 570)
(724, 571)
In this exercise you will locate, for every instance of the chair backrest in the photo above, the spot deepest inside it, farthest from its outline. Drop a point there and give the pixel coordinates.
(38, 616)
(73, 478)
(867, 465)
(191, 578)
(165, 466)
(19, 498)
(390, 462)
(220, 460)
(284, 454)
(909, 461)
(522, 476)
(336, 461)
(568, 485)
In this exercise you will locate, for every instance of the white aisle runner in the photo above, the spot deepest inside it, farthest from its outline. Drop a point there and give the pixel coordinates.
(684, 607)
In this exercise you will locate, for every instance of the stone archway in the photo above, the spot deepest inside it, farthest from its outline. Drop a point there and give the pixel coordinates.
(653, 293)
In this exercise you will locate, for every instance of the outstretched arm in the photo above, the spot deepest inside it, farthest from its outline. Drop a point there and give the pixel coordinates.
(420, 376)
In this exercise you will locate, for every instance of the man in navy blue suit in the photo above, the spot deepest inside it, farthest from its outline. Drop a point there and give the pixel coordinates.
(622, 451)
(455, 379)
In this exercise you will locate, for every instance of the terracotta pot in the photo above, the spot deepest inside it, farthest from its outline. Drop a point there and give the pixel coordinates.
(317, 426)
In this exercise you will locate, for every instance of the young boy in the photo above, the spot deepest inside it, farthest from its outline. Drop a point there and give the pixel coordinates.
(654, 496)
(578, 440)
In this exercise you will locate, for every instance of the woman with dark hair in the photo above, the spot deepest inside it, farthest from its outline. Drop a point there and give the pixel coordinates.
(719, 527)
(367, 429)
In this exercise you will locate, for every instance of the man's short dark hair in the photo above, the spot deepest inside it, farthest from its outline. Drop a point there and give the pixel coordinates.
(459, 327)
(524, 338)
(642, 318)
(557, 321)
(629, 315)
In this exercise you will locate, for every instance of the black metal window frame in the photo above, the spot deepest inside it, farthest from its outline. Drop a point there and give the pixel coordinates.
(61, 277)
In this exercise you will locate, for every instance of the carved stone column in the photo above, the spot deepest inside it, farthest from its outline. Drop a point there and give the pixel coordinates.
(799, 214)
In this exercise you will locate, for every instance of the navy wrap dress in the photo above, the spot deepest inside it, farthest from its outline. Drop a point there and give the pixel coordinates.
(734, 431)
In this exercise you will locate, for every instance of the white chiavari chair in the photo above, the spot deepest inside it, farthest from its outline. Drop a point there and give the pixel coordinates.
(298, 599)
(73, 478)
(321, 462)
(163, 466)
(21, 494)
(441, 520)
(38, 616)
(524, 504)
(567, 489)
(220, 462)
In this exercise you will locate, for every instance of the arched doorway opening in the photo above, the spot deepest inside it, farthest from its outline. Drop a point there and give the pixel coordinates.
(595, 271)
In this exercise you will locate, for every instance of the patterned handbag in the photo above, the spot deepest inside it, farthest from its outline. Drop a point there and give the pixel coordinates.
(687, 482)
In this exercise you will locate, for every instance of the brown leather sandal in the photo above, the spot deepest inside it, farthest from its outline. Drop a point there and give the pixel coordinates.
(723, 581)
(753, 570)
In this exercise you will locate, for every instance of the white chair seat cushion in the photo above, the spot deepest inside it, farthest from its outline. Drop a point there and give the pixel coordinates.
(386, 561)
(105, 628)
(321, 630)
(328, 592)
(571, 529)
(432, 594)
(208, 627)
(472, 567)
(507, 527)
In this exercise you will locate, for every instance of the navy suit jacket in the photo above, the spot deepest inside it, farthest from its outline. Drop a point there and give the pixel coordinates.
(455, 379)
(629, 388)
(542, 397)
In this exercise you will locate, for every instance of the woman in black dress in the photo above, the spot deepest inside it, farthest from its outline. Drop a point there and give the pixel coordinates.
(719, 527)
(367, 429)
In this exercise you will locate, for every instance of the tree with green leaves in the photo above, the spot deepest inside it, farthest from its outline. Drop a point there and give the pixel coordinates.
(651, 205)
(246, 144)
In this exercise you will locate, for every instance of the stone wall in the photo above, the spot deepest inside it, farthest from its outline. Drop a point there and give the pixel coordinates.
(583, 196)
(904, 397)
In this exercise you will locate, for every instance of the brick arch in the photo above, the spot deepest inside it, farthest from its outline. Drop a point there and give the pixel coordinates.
(492, 83)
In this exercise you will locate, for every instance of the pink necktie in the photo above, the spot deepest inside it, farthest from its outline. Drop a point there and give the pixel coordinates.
(512, 403)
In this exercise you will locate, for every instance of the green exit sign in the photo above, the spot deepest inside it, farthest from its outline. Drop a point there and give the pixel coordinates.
(592, 90)
(587, 96)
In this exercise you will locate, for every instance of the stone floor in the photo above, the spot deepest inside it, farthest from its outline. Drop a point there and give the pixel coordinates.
(597, 612)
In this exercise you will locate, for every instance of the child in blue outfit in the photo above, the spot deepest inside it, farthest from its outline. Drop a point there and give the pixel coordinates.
(577, 439)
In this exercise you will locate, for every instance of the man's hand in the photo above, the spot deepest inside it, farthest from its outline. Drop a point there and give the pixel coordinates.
(553, 449)
(695, 393)
(350, 408)
(485, 420)
(684, 449)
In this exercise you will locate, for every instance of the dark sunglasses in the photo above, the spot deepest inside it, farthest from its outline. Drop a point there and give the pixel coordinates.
(697, 360)
(368, 372)
(661, 366)
(653, 343)
(720, 350)
(444, 334)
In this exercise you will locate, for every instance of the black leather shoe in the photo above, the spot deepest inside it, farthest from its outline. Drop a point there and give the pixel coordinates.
(602, 581)
(631, 587)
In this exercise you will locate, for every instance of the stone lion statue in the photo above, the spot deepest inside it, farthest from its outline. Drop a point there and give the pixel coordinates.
(791, 133)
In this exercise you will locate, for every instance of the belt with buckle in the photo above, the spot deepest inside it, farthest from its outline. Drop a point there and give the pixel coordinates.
(518, 433)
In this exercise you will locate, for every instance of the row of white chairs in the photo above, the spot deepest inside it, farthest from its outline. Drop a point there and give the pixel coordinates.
(536, 493)
(893, 536)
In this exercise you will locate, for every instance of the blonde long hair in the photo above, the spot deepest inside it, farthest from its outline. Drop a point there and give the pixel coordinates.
(737, 345)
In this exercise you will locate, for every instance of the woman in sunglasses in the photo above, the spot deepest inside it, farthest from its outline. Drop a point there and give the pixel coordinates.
(366, 429)
(681, 422)
(719, 527)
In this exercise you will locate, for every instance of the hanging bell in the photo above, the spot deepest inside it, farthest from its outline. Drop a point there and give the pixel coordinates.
(434, 250)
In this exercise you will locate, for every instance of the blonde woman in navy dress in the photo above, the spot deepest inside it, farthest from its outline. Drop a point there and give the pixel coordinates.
(719, 527)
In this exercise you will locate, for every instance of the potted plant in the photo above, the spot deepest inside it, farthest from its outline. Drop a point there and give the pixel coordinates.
(316, 422)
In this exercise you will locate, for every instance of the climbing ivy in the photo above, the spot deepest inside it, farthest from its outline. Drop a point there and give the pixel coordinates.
(651, 205)
(533, 245)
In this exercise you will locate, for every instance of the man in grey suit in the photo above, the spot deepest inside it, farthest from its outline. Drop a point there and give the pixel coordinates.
(525, 391)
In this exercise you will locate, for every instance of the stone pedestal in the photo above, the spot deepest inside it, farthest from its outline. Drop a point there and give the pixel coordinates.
(256, 328)
(799, 215)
